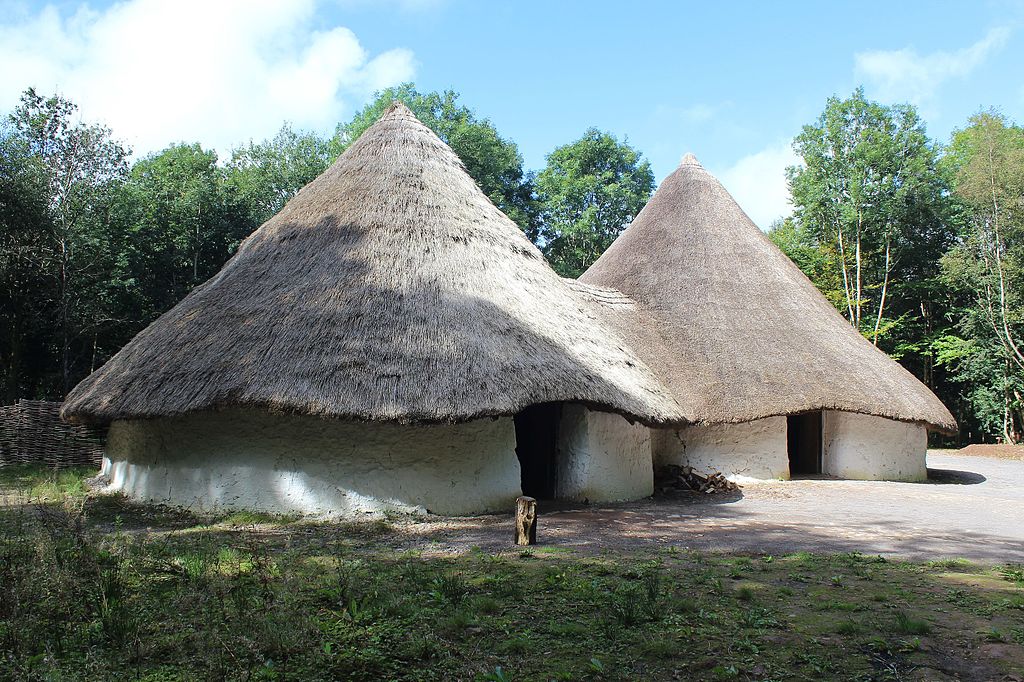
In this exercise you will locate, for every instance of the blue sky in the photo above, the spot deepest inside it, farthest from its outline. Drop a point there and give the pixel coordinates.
(732, 82)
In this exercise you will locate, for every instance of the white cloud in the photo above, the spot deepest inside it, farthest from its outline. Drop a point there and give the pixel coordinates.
(906, 76)
(215, 71)
(700, 112)
(408, 6)
(758, 183)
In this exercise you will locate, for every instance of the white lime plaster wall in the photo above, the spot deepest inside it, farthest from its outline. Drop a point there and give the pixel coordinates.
(748, 450)
(250, 459)
(874, 448)
(602, 457)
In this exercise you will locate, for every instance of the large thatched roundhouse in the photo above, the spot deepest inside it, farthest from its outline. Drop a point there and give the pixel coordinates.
(389, 340)
(774, 381)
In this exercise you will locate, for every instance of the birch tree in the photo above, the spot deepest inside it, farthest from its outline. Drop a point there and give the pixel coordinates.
(987, 162)
(869, 193)
(82, 168)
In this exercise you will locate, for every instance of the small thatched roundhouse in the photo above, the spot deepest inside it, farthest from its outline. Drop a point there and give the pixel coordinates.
(773, 379)
(389, 340)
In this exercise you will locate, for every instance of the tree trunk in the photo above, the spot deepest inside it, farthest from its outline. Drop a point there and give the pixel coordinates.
(846, 275)
(857, 258)
(526, 521)
(885, 285)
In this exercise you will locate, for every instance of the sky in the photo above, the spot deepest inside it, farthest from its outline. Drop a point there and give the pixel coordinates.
(732, 82)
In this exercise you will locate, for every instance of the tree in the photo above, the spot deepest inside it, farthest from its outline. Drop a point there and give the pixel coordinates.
(494, 162)
(266, 175)
(78, 169)
(182, 225)
(870, 195)
(986, 161)
(23, 227)
(591, 190)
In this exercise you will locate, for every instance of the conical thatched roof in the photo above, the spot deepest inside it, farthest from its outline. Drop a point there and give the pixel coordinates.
(389, 288)
(732, 326)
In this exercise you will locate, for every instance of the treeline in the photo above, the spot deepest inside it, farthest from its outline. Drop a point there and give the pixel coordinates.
(916, 243)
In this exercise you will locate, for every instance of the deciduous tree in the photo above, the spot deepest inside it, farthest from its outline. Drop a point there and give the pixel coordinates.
(591, 190)
(986, 160)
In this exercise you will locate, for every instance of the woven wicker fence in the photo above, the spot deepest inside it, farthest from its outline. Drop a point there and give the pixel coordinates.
(32, 432)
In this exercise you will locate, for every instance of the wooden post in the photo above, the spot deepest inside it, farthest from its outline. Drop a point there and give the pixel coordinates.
(526, 521)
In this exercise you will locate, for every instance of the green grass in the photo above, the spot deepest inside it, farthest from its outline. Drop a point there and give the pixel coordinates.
(43, 483)
(159, 596)
(911, 626)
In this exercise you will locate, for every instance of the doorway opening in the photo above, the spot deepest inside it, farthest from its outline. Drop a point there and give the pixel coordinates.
(536, 448)
(803, 437)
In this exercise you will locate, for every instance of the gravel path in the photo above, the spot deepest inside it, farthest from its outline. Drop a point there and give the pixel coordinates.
(971, 507)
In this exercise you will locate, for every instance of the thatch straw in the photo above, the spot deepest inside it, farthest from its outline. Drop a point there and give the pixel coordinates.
(732, 326)
(388, 289)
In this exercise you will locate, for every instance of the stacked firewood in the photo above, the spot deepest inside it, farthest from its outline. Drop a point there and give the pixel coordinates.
(675, 477)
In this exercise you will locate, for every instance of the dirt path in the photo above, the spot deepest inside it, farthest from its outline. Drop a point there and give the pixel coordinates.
(972, 507)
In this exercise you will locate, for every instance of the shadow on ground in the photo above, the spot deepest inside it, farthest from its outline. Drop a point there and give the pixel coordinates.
(951, 476)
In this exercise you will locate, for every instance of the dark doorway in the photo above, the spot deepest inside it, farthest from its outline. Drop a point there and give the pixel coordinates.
(803, 436)
(536, 443)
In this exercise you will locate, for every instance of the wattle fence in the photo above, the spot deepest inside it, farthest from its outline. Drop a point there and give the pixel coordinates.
(32, 432)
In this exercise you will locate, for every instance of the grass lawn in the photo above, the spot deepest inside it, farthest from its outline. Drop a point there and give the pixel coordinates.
(94, 588)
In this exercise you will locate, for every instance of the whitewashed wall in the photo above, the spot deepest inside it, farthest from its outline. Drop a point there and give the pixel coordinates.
(248, 459)
(602, 457)
(749, 450)
(874, 448)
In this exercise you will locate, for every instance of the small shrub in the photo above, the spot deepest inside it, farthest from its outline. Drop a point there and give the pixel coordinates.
(486, 604)
(625, 606)
(498, 675)
(450, 587)
(758, 618)
(954, 563)
(849, 627)
(653, 604)
(994, 635)
(456, 624)
(1013, 573)
(911, 626)
(520, 644)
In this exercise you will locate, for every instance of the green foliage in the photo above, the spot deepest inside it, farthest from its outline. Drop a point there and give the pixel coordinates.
(182, 226)
(869, 199)
(986, 269)
(494, 162)
(911, 626)
(591, 190)
(57, 188)
(264, 176)
(90, 252)
(325, 602)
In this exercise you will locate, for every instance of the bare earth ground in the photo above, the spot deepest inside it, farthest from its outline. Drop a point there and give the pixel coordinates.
(971, 507)
(987, 450)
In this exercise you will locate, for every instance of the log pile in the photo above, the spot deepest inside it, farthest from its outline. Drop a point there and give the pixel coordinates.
(675, 477)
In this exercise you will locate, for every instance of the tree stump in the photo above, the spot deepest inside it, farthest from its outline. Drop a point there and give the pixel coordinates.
(526, 521)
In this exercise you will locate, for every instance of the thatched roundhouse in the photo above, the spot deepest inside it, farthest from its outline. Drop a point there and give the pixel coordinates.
(774, 381)
(389, 340)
